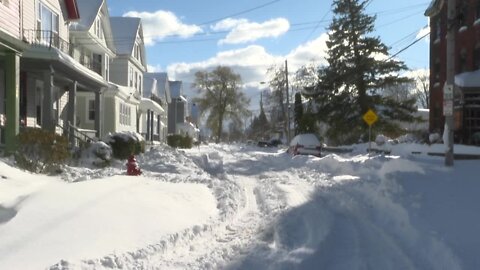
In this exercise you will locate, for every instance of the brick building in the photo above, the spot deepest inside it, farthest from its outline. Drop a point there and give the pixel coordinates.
(467, 68)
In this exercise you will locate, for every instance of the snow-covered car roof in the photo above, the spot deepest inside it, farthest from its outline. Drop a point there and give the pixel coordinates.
(305, 139)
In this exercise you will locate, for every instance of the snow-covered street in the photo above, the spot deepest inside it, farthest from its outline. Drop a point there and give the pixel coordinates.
(243, 207)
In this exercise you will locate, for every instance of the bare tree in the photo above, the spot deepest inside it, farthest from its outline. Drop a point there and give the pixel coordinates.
(422, 89)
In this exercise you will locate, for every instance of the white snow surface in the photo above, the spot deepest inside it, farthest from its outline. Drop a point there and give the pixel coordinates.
(224, 206)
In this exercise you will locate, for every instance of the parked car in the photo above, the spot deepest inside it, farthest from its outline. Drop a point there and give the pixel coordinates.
(263, 144)
(305, 144)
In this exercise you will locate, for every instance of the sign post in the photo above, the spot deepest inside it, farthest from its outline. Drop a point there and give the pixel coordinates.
(370, 117)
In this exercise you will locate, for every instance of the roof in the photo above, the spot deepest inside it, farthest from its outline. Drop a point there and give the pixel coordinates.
(468, 79)
(88, 10)
(176, 88)
(162, 86)
(434, 7)
(148, 104)
(125, 30)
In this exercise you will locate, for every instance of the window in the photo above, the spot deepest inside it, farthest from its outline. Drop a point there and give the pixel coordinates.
(462, 65)
(107, 68)
(477, 10)
(47, 25)
(438, 29)
(97, 28)
(125, 114)
(130, 76)
(476, 56)
(91, 110)
(462, 13)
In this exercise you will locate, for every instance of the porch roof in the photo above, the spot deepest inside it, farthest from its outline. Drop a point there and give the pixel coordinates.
(148, 104)
(468, 79)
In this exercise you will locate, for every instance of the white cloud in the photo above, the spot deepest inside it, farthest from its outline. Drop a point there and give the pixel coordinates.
(251, 63)
(243, 31)
(228, 24)
(156, 68)
(312, 51)
(162, 23)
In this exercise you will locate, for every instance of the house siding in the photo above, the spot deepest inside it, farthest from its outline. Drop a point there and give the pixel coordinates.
(119, 71)
(110, 115)
(10, 18)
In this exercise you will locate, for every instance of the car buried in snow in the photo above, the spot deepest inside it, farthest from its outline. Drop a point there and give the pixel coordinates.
(305, 144)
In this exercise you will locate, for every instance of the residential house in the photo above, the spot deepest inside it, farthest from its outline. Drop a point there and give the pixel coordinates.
(467, 68)
(125, 109)
(11, 48)
(157, 90)
(177, 108)
(92, 46)
(55, 70)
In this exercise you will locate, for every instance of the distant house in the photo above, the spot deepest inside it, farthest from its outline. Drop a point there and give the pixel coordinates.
(177, 108)
(467, 67)
(157, 93)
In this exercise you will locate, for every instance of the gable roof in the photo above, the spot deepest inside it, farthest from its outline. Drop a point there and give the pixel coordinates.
(176, 88)
(125, 31)
(162, 84)
(434, 8)
(88, 10)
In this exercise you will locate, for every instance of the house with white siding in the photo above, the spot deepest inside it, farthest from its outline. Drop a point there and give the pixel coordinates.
(55, 70)
(92, 46)
(11, 48)
(157, 90)
(125, 108)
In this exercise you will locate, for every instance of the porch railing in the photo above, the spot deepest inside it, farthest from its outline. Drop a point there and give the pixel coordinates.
(50, 39)
(46, 38)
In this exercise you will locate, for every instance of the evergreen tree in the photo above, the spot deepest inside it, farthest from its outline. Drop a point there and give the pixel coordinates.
(357, 71)
(298, 111)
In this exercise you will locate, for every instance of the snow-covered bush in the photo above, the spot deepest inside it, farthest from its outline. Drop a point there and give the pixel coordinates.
(380, 140)
(179, 141)
(434, 138)
(98, 154)
(41, 151)
(125, 143)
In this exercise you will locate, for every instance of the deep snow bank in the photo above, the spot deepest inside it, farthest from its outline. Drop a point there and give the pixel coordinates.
(378, 213)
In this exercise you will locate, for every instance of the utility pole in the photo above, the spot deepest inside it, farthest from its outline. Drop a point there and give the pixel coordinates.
(450, 82)
(288, 103)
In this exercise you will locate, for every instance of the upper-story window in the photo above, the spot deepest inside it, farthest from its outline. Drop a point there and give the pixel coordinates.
(462, 13)
(97, 28)
(47, 23)
(137, 51)
(437, 29)
(477, 10)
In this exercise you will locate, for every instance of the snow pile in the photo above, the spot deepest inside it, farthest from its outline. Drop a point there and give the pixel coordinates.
(245, 207)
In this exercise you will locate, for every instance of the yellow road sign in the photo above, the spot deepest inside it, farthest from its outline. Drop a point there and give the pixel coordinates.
(370, 117)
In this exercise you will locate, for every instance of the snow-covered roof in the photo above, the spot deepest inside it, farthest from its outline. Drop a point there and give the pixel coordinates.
(125, 30)
(176, 88)
(148, 104)
(88, 10)
(468, 79)
(434, 7)
(162, 86)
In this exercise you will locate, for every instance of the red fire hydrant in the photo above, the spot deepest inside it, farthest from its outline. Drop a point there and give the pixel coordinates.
(132, 166)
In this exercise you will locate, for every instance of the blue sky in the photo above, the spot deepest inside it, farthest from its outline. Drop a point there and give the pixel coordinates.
(251, 35)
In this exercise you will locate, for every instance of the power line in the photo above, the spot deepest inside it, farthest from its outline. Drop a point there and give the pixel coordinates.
(410, 45)
(241, 12)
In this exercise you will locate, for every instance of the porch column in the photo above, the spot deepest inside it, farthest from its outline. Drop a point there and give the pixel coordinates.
(98, 113)
(158, 128)
(12, 104)
(147, 136)
(72, 112)
(47, 106)
(151, 125)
